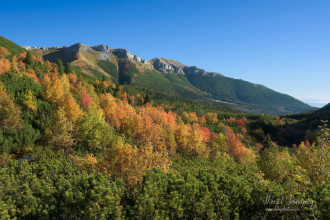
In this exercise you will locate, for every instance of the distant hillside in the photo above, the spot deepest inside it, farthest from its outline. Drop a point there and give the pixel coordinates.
(325, 108)
(242, 92)
(172, 77)
(311, 120)
(287, 130)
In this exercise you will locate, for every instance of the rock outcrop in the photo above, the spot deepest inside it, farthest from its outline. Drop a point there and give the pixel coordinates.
(43, 48)
(193, 70)
(80, 47)
(103, 48)
(166, 66)
(124, 54)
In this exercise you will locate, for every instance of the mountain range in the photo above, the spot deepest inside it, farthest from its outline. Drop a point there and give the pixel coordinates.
(171, 77)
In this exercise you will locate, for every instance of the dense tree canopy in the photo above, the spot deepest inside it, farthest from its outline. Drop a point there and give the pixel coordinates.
(72, 147)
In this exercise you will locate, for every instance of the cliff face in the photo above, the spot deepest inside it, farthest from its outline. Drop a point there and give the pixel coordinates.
(165, 66)
(124, 54)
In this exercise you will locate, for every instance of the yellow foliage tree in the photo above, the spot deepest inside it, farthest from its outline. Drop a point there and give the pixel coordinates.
(52, 88)
(10, 113)
(60, 135)
(130, 163)
(30, 101)
(72, 109)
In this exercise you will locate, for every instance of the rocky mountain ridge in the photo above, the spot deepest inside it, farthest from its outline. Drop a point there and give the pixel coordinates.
(171, 76)
(162, 65)
(43, 48)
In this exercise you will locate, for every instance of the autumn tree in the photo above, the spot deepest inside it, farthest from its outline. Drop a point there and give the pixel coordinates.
(4, 52)
(219, 146)
(61, 134)
(211, 118)
(72, 109)
(52, 88)
(241, 122)
(94, 133)
(4, 65)
(30, 101)
(85, 100)
(182, 138)
(316, 158)
(168, 133)
(14, 63)
(57, 90)
(190, 140)
(189, 117)
(10, 113)
(274, 164)
(236, 147)
(115, 111)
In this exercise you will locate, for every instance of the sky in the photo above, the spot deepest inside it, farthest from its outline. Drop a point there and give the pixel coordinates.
(281, 44)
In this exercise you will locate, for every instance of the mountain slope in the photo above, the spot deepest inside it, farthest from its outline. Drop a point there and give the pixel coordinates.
(11, 46)
(241, 92)
(121, 66)
(172, 77)
(287, 130)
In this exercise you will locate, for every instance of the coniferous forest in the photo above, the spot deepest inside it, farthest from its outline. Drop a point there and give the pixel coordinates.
(73, 146)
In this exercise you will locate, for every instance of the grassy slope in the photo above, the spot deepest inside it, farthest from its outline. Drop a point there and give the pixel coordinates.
(171, 83)
(110, 68)
(13, 48)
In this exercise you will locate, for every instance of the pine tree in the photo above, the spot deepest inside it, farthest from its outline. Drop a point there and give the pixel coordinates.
(28, 59)
(68, 69)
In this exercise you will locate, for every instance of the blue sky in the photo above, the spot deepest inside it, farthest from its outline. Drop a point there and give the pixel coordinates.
(282, 44)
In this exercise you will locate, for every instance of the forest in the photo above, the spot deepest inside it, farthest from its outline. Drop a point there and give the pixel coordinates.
(76, 147)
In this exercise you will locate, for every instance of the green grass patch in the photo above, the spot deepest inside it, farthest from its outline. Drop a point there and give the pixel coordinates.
(110, 68)
(13, 48)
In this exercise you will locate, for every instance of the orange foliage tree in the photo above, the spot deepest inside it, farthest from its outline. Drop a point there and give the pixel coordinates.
(4, 65)
(236, 147)
(57, 91)
(85, 100)
(4, 52)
